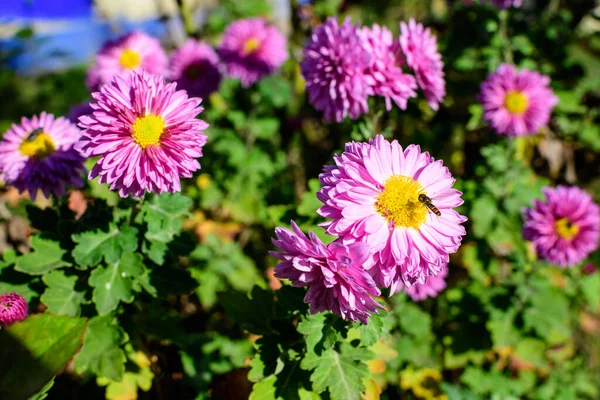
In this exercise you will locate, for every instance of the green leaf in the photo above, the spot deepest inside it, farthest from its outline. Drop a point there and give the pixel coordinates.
(33, 351)
(46, 256)
(13, 281)
(341, 372)
(590, 286)
(264, 390)
(101, 353)
(61, 297)
(312, 326)
(164, 216)
(114, 283)
(93, 246)
(43, 392)
(414, 321)
(309, 204)
(264, 128)
(276, 90)
(376, 328)
(532, 351)
(252, 314)
(483, 213)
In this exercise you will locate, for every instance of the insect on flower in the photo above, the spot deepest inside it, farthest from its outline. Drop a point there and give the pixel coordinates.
(423, 198)
(34, 134)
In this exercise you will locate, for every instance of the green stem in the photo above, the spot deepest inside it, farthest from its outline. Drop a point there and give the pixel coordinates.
(503, 29)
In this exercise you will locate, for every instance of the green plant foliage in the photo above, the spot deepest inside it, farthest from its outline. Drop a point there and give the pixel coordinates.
(33, 351)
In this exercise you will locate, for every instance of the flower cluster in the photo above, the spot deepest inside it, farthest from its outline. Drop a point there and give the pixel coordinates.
(399, 205)
(515, 102)
(13, 308)
(344, 64)
(565, 228)
(250, 50)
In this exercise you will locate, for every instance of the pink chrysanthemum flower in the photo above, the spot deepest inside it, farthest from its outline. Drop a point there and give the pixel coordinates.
(334, 67)
(252, 49)
(195, 68)
(334, 275)
(145, 133)
(384, 75)
(565, 228)
(39, 154)
(517, 103)
(13, 308)
(418, 48)
(431, 288)
(134, 51)
(377, 194)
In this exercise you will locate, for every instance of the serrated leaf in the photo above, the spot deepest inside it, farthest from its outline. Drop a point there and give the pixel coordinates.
(374, 330)
(341, 372)
(164, 216)
(252, 314)
(93, 246)
(46, 256)
(60, 296)
(114, 283)
(101, 353)
(13, 281)
(312, 326)
(33, 351)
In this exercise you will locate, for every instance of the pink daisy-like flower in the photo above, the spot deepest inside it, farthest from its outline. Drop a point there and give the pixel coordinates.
(517, 103)
(384, 75)
(39, 154)
(431, 288)
(134, 51)
(145, 133)
(418, 48)
(565, 228)
(13, 308)
(334, 67)
(334, 275)
(252, 49)
(377, 193)
(195, 68)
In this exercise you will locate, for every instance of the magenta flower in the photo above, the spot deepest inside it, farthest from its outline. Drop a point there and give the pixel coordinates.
(39, 154)
(252, 49)
(334, 67)
(431, 288)
(517, 103)
(417, 47)
(384, 75)
(145, 133)
(13, 308)
(195, 68)
(373, 195)
(507, 3)
(565, 228)
(134, 51)
(334, 275)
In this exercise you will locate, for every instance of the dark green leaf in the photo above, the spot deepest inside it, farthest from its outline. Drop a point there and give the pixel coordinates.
(93, 246)
(46, 256)
(60, 296)
(33, 351)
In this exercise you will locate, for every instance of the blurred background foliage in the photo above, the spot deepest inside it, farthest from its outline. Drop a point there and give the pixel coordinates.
(507, 327)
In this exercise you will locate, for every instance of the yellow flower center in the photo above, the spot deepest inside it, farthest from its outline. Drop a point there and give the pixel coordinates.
(130, 59)
(565, 229)
(40, 146)
(399, 202)
(515, 102)
(147, 130)
(251, 45)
